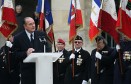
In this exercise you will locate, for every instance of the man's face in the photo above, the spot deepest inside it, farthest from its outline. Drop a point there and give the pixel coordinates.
(18, 9)
(60, 46)
(78, 44)
(29, 25)
(100, 44)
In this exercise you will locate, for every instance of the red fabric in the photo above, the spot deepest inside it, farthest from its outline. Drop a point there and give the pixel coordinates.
(108, 24)
(41, 24)
(93, 31)
(10, 23)
(124, 23)
(75, 21)
(60, 41)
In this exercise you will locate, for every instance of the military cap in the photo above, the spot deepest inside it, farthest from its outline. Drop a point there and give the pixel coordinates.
(78, 38)
(60, 41)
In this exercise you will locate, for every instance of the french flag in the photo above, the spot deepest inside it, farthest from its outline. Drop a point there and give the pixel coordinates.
(74, 19)
(46, 19)
(93, 30)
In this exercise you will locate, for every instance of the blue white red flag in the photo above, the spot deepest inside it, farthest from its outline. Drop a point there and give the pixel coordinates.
(45, 18)
(94, 31)
(74, 19)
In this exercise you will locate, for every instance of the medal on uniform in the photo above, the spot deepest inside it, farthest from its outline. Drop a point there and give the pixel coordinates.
(61, 59)
(79, 60)
(126, 56)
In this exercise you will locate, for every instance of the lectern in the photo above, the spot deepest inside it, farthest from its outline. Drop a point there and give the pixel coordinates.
(44, 66)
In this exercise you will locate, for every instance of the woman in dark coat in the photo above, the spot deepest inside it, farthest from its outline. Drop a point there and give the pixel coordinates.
(102, 70)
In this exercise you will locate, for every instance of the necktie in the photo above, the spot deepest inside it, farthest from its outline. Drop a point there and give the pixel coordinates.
(32, 40)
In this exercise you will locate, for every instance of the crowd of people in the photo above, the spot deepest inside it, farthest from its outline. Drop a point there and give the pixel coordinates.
(105, 65)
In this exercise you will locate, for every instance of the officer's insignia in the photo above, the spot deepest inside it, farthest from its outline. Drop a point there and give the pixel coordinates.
(79, 60)
(127, 56)
(61, 59)
(104, 52)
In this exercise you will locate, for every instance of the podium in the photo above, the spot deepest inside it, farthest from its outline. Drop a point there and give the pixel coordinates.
(44, 66)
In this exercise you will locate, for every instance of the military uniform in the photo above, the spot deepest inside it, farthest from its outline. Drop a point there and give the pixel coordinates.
(126, 64)
(9, 67)
(60, 68)
(81, 68)
(106, 66)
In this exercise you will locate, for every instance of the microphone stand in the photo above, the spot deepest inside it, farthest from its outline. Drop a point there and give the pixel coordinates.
(43, 40)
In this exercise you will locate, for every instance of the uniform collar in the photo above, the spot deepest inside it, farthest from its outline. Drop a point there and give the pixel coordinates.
(77, 50)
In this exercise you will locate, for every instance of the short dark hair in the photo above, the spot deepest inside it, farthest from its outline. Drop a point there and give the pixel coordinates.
(24, 20)
(98, 38)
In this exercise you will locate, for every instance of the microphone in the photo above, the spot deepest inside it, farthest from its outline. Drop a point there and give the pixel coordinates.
(42, 39)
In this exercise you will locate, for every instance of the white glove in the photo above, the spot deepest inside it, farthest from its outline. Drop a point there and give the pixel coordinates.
(72, 56)
(98, 55)
(9, 44)
(89, 81)
(117, 47)
(84, 82)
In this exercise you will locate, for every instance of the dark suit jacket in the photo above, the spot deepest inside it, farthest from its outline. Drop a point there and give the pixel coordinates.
(20, 47)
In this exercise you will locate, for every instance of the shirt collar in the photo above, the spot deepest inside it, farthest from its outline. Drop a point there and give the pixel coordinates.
(28, 34)
(61, 51)
(78, 49)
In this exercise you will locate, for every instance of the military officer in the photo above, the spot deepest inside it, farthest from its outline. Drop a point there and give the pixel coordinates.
(61, 64)
(123, 77)
(102, 63)
(79, 67)
(9, 67)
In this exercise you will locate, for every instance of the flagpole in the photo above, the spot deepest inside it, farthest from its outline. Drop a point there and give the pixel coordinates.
(97, 60)
(54, 40)
(120, 61)
(73, 50)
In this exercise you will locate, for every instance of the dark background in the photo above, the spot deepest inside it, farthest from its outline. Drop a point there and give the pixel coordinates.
(29, 6)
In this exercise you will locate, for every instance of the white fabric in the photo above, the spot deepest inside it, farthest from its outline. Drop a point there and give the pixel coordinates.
(9, 44)
(84, 82)
(117, 47)
(98, 55)
(78, 49)
(28, 34)
(89, 81)
(72, 56)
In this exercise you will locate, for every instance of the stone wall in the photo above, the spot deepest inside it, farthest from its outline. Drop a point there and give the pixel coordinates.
(61, 28)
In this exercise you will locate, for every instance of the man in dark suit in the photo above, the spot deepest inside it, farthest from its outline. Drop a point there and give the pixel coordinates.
(59, 67)
(78, 71)
(25, 43)
(102, 63)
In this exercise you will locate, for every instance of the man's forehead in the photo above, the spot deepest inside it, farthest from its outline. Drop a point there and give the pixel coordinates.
(78, 40)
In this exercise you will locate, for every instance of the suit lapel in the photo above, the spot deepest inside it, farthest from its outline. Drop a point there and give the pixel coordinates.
(26, 39)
